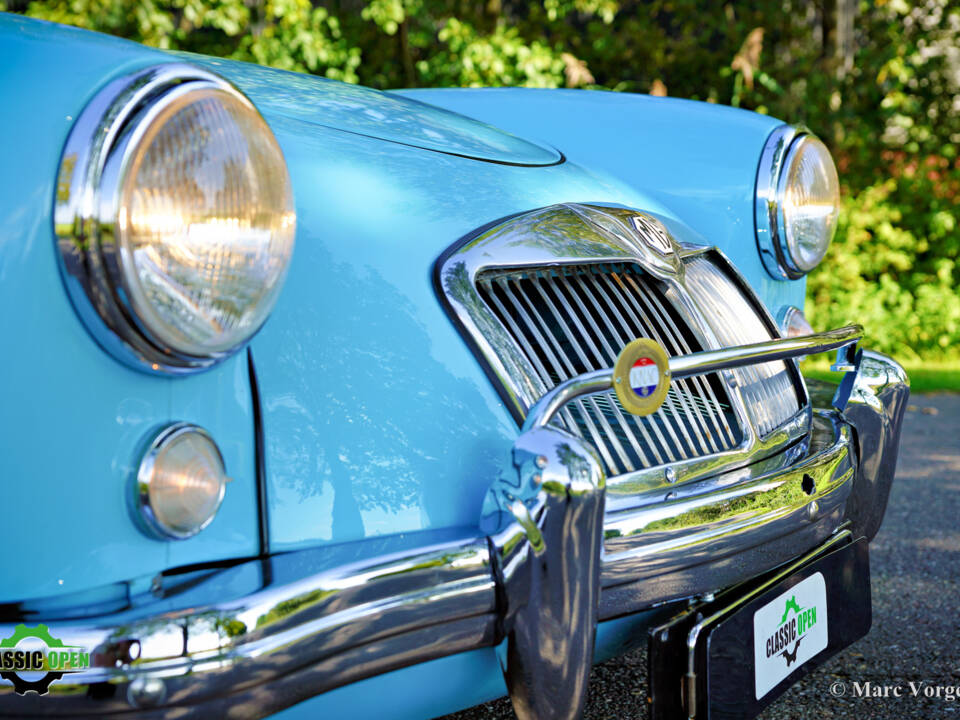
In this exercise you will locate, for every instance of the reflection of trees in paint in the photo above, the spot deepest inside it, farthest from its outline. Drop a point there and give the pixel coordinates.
(367, 412)
(560, 231)
(365, 110)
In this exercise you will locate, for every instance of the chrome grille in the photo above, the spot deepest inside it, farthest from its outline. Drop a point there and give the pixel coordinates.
(768, 391)
(573, 319)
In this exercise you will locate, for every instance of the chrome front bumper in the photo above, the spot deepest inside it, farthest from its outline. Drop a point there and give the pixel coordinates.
(259, 636)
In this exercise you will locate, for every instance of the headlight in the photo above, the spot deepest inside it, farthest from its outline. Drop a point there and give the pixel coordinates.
(798, 202)
(174, 217)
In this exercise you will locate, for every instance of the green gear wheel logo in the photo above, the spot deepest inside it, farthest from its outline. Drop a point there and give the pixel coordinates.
(791, 604)
(42, 633)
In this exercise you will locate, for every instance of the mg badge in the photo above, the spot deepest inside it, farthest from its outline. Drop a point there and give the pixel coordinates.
(653, 234)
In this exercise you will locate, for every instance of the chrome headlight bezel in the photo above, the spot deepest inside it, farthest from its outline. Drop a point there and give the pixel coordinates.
(772, 175)
(87, 200)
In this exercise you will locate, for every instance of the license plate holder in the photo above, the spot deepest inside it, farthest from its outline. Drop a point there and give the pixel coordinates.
(740, 631)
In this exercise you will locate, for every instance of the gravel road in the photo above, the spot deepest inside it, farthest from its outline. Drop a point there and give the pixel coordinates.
(915, 562)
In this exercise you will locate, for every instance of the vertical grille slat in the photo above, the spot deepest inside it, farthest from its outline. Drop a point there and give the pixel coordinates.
(669, 414)
(643, 327)
(558, 374)
(666, 448)
(616, 414)
(709, 398)
(574, 319)
(601, 362)
(518, 334)
(663, 449)
(558, 318)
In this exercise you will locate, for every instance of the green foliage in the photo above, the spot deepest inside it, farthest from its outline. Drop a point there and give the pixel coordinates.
(892, 268)
(887, 106)
(289, 34)
(501, 57)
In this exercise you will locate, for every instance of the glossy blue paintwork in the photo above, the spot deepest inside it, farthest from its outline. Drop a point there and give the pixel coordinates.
(404, 397)
(697, 159)
(376, 114)
(378, 418)
(363, 375)
(71, 417)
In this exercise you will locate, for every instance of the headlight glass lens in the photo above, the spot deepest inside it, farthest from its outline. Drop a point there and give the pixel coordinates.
(810, 201)
(205, 222)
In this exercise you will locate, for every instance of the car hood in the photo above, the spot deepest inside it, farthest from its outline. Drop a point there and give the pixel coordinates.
(376, 114)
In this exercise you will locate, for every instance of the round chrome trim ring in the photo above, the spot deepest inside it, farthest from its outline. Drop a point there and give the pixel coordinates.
(144, 515)
(92, 166)
(771, 239)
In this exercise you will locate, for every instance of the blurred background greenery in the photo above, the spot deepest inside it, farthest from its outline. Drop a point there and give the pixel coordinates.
(878, 81)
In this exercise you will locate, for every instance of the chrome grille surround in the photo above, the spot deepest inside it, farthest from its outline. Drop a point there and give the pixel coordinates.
(548, 250)
(768, 388)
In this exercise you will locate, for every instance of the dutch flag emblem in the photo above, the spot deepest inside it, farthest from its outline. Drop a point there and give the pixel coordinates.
(644, 377)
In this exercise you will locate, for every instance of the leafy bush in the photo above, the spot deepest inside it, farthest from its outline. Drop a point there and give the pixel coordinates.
(893, 269)
(880, 87)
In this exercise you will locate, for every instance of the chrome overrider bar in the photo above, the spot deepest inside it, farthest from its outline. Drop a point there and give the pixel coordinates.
(547, 563)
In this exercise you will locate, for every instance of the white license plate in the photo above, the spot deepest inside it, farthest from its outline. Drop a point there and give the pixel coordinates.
(788, 631)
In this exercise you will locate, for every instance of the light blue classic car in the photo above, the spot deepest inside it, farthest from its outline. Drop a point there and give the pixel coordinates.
(330, 402)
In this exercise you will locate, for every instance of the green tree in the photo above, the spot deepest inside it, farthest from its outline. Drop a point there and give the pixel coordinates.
(878, 80)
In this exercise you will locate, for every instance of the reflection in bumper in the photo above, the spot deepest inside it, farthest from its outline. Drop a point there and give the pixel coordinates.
(262, 635)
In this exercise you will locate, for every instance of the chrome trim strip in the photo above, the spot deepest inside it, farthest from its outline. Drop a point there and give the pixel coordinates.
(698, 363)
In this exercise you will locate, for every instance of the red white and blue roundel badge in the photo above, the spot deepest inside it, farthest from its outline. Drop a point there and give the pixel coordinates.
(644, 377)
(641, 376)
